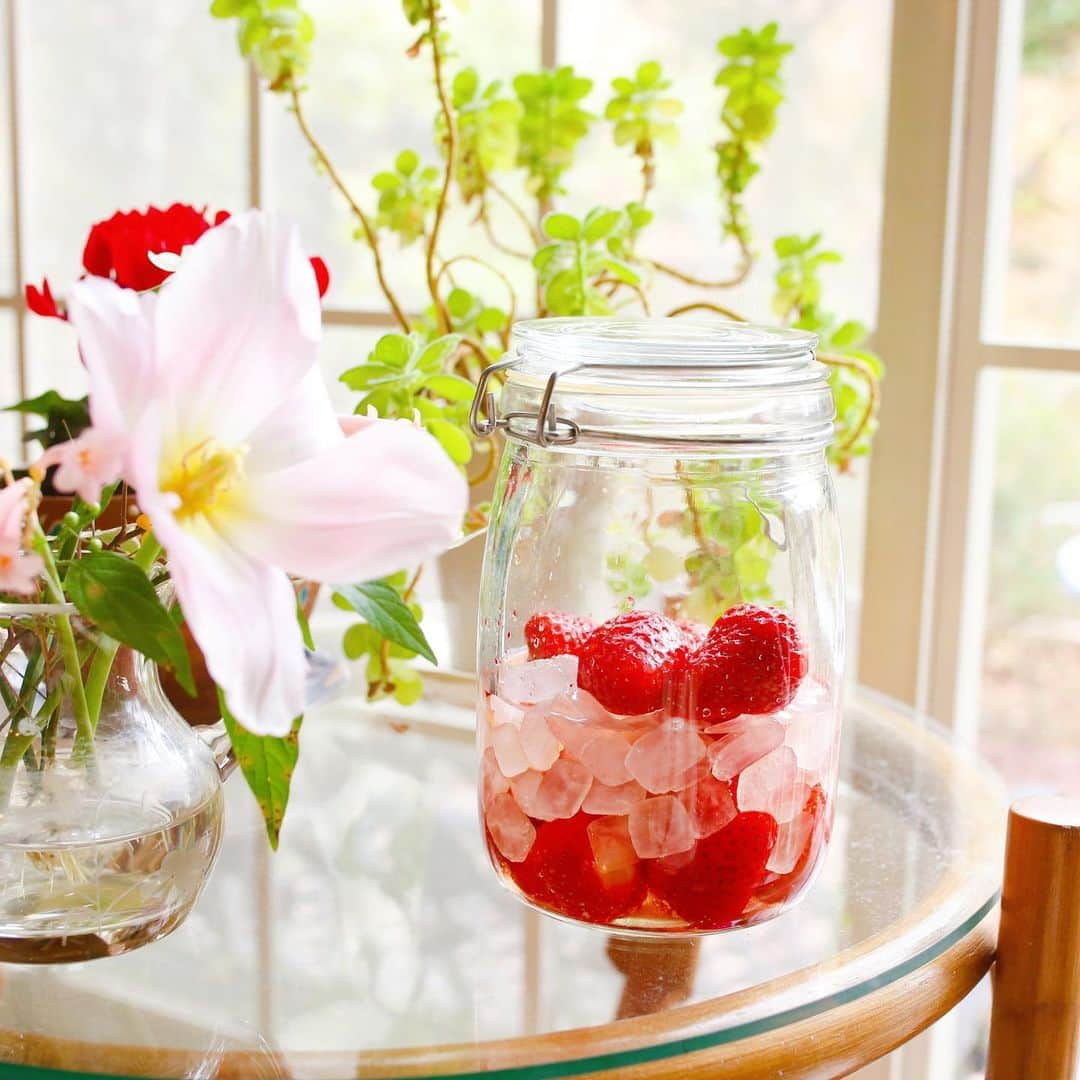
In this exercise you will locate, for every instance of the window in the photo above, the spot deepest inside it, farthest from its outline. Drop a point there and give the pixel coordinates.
(177, 116)
(970, 208)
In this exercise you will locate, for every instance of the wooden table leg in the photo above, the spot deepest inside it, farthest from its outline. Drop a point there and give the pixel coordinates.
(1035, 1027)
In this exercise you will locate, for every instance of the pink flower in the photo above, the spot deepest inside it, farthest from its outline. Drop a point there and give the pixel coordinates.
(18, 571)
(236, 455)
(87, 463)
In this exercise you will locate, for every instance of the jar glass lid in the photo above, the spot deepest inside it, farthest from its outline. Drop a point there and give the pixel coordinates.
(588, 381)
(665, 350)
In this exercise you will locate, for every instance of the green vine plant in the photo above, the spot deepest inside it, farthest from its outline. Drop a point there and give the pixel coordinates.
(491, 139)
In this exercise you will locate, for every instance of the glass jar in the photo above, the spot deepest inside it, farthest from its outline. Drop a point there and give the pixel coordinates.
(110, 805)
(661, 622)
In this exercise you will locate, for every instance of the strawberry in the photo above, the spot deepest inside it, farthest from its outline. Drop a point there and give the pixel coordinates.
(695, 632)
(556, 633)
(628, 662)
(751, 662)
(783, 888)
(561, 873)
(712, 890)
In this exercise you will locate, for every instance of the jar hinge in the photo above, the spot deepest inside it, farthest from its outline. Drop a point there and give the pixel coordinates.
(542, 428)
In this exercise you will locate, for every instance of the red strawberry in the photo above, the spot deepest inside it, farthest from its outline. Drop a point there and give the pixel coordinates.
(783, 888)
(629, 661)
(556, 633)
(712, 890)
(751, 662)
(561, 873)
(695, 632)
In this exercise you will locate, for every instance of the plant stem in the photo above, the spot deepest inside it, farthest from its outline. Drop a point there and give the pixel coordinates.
(702, 283)
(873, 397)
(369, 232)
(16, 744)
(488, 469)
(519, 211)
(84, 737)
(102, 663)
(491, 269)
(648, 170)
(441, 313)
(495, 242)
(707, 305)
(411, 587)
(637, 289)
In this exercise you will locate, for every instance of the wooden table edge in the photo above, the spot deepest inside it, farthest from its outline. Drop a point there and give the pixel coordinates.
(838, 1039)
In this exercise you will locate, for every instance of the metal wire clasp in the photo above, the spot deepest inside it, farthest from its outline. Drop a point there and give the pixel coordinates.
(541, 428)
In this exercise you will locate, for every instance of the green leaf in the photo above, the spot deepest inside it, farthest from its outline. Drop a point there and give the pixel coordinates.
(267, 762)
(561, 226)
(459, 303)
(545, 254)
(379, 604)
(305, 626)
(491, 320)
(848, 334)
(452, 439)
(450, 387)
(228, 9)
(648, 73)
(599, 225)
(408, 685)
(621, 271)
(64, 418)
(406, 162)
(385, 181)
(359, 640)
(394, 350)
(438, 352)
(117, 597)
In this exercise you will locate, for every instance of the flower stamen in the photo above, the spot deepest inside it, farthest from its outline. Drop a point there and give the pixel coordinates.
(205, 474)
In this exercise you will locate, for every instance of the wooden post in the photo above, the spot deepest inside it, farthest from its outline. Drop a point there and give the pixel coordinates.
(1035, 1028)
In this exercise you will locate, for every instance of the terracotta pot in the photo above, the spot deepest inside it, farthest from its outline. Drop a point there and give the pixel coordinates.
(53, 507)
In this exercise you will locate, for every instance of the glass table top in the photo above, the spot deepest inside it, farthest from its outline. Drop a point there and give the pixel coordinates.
(377, 941)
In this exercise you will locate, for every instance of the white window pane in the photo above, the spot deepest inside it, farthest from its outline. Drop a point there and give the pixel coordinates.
(1031, 657)
(822, 169)
(366, 101)
(344, 347)
(123, 104)
(7, 252)
(10, 446)
(53, 358)
(1034, 262)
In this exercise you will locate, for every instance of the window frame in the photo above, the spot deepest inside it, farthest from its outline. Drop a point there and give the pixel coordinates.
(929, 504)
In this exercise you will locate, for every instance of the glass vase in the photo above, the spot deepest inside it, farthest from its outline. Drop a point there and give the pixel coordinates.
(110, 805)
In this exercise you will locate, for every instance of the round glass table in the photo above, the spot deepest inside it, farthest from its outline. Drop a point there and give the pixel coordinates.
(377, 943)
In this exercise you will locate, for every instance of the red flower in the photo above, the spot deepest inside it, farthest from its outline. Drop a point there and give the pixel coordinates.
(41, 301)
(322, 275)
(117, 249)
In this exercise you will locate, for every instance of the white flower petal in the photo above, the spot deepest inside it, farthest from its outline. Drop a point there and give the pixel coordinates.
(242, 613)
(116, 340)
(237, 327)
(304, 424)
(169, 261)
(385, 498)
